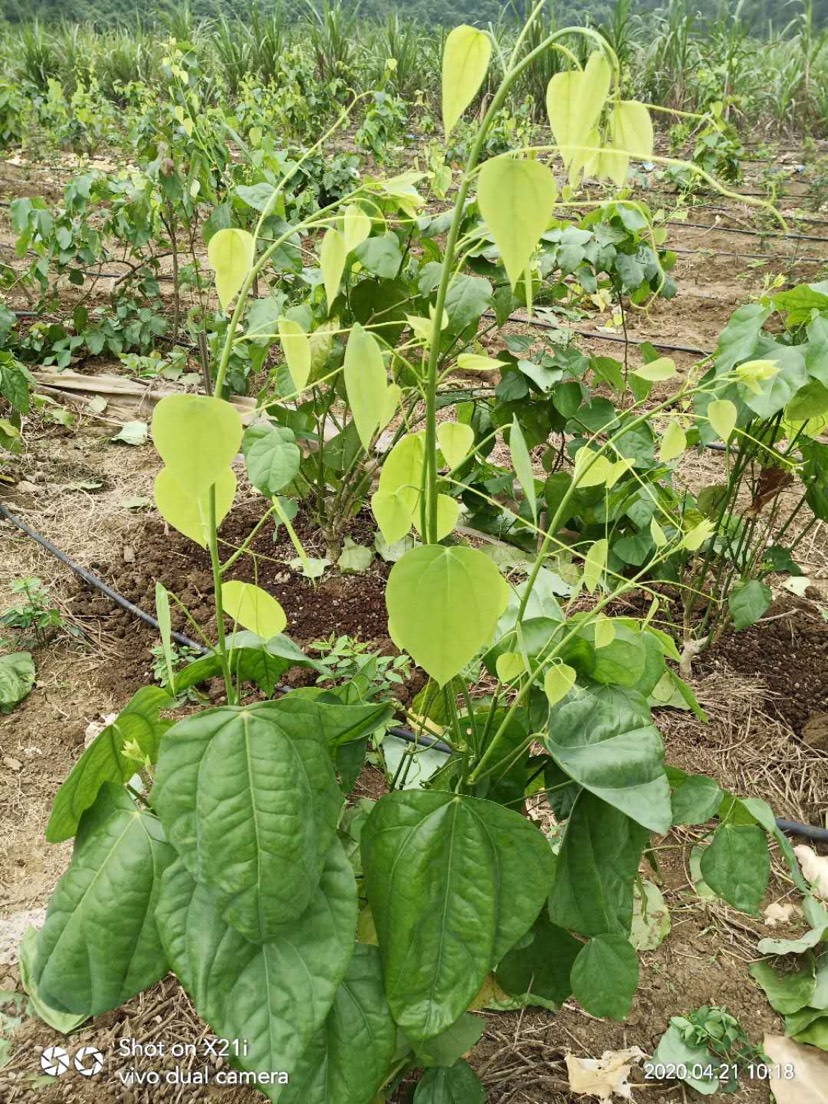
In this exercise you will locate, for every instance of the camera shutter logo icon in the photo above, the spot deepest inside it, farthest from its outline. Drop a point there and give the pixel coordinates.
(89, 1061)
(54, 1060)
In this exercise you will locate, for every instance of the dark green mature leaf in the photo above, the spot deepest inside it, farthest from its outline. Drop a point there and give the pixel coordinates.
(100, 945)
(249, 798)
(748, 601)
(453, 883)
(276, 995)
(252, 659)
(603, 738)
(776, 392)
(456, 1084)
(17, 677)
(381, 255)
(736, 865)
(466, 300)
(272, 457)
(349, 1059)
(450, 1045)
(542, 967)
(597, 864)
(815, 476)
(738, 339)
(605, 976)
(696, 798)
(104, 760)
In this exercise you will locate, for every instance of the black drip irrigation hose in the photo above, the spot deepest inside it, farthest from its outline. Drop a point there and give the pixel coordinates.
(792, 827)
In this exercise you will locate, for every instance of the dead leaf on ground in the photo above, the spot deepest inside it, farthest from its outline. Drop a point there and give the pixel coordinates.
(604, 1077)
(809, 1085)
(815, 869)
(778, 913)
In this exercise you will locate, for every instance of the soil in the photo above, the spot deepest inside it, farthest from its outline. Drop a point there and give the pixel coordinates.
(788, 649)
(764, 691)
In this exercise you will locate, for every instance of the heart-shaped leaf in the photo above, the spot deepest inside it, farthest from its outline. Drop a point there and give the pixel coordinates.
(516, 197)
(189, 512)
(443, 606)
(253, 608)
(231, 253)
(465, 61)
(197, 437)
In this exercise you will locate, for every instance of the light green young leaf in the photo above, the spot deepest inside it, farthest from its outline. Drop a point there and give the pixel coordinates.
(393, 513)
(592, 469)
(510, 666)
(356, 226)
(332, 254)
(253, 608)
(197, 437)
(631, 129)
(657, 533)
(651, 918)
(465, 61)
(448, 512)
(721, 414)
(516, 197)
(472, 362)
(297, 350)
(574, 102)
(522, 463)
(657, 370)
(455, 440)
(390, 404)
(443, 606)
(673, 443)
(189, 512)
(162, 615)
(595, 563)
(559, 680)
(231, 253)
(365, 382)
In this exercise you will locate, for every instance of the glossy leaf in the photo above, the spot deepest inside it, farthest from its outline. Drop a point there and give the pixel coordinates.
(597, 864)
(465, 61)
(189, 512)
(365, 382)
(253, 608)
(231, 253)
(606, 741)
(249, 798)
(350, 1058)
(275, 995)
(99, 945)
(197, 437)
(453, 883)
(443, 606)
(516, 197)
(138, 725)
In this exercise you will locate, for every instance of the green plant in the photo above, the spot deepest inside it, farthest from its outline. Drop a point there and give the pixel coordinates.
(16, 383)
(709, 1049)
(33, 617)
(358, 669)
(235, 851)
